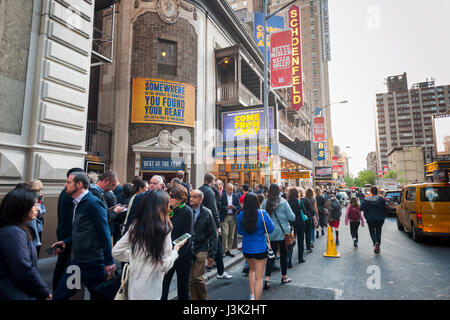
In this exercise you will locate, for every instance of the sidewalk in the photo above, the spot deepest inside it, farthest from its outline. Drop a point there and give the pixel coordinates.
(47, 265)
(228, 263)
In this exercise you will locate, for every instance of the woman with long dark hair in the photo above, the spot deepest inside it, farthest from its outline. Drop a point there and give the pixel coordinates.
(281, 214)
(308, 223)
(147, 246)
(20, 279)
(252, 223)
(311, 198)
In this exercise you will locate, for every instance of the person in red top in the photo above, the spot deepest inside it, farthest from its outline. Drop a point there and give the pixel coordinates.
(355, 216)
(241, 199)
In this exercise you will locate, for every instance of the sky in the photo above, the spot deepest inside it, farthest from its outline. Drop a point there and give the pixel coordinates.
(374, 39)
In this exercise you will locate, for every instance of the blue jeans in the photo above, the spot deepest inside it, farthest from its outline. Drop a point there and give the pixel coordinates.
(92, 274)
(313, 232)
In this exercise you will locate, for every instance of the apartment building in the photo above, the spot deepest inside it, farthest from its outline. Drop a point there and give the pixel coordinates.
(404, 116)
(371, 162)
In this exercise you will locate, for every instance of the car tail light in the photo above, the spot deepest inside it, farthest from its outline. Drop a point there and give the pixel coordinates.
(419, 218)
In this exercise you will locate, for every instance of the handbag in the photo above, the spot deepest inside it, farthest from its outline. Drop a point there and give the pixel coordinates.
(107, 289)
(270, 253)
(122, 293)
(289, 238)
(304, 217)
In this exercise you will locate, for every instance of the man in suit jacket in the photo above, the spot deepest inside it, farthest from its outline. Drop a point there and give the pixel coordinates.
(210, 202)
(90, 239)
(103, 190)
(64, 230)
(229, 208)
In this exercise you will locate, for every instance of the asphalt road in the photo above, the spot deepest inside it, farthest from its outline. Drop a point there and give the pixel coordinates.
(405, 270)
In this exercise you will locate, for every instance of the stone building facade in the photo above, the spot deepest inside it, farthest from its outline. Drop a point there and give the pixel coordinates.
(409, 161)
(45, 53)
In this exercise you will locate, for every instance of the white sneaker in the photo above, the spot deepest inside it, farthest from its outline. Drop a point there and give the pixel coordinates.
(225, 275)
(252, 297)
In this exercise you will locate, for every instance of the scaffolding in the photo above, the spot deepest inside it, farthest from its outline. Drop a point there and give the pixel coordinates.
(103, 32)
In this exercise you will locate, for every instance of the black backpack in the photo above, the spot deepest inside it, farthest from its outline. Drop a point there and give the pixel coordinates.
(320, 203)
(336, 211)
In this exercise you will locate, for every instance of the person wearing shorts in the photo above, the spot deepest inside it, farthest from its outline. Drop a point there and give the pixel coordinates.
(335, 224)
(252, 225)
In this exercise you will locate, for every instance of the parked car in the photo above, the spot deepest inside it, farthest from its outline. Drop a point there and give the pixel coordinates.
(392, 199)
(424, 210)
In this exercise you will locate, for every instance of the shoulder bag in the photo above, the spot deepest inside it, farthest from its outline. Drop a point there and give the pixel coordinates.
(289, 238)
(304, 217)
(270, 253)
(122, 294)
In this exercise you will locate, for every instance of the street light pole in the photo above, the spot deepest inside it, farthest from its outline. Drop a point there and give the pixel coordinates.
(266, 87)
(266, 97)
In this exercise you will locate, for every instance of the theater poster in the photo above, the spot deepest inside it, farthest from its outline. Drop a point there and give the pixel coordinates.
(163, 102)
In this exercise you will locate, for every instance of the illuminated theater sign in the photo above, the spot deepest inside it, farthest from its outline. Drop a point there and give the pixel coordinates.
(246, 124)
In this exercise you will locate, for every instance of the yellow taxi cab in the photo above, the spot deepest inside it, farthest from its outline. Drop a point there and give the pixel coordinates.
(424, 209)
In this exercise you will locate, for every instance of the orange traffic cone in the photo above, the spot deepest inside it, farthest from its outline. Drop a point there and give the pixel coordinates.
(331, 246)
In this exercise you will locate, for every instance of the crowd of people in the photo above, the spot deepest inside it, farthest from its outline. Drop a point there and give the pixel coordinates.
(102, 223)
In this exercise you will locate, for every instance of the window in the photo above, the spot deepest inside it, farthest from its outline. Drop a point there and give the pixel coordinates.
(167, 57)
(393, 196)
(410, 194)
(435, 194)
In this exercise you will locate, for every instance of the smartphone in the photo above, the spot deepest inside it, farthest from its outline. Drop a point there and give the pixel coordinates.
(183, 237)
(51, 250)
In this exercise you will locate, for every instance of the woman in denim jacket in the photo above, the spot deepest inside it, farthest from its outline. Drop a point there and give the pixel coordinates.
(281, 214)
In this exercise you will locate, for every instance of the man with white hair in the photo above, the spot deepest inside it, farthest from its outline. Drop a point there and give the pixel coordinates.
(156, 183)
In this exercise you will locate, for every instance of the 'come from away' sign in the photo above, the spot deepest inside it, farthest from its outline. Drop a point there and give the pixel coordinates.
(246, 124)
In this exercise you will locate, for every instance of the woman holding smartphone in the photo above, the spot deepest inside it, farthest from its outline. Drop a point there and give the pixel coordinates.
(252, 224)
(148, 247)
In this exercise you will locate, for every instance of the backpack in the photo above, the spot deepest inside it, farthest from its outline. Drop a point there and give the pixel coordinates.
(320, 203)
(335, 210)
(354, 214)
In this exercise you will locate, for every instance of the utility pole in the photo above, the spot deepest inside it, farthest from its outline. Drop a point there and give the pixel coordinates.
(266, 97)
(266, 87)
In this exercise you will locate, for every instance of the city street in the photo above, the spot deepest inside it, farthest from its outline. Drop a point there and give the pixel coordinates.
(149, 126)
(408, 270)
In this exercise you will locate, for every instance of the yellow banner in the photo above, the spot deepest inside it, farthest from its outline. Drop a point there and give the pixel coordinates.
(295, 175)
(246, 166)
(330, 146)
(163, 101)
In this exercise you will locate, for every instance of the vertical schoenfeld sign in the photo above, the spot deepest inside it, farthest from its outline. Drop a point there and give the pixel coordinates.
(297, 82)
